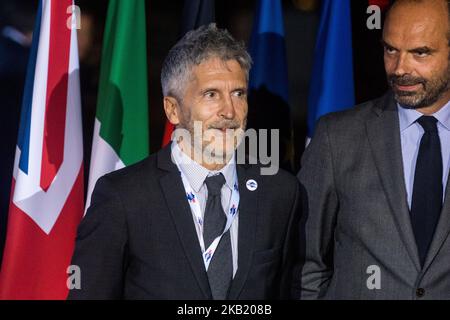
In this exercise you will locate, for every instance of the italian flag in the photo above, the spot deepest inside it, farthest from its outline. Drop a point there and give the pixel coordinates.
(121, 135)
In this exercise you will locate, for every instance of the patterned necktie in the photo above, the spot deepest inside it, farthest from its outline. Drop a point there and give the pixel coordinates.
(426, 203)
(220, 270)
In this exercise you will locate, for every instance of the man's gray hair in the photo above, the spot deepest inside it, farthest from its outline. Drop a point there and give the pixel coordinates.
(196, 47)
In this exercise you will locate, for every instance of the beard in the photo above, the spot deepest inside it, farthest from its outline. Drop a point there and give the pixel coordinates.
(430, 91)
(220, 140)
(214, 143)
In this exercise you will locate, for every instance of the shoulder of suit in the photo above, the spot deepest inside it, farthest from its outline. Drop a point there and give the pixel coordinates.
(132, 177)
(134, 171)
(358, 113)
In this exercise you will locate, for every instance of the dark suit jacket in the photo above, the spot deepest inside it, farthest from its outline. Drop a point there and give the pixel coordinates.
(138, 239)
(357, 217)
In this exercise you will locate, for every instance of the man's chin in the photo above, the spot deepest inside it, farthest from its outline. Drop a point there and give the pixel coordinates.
(408, 100)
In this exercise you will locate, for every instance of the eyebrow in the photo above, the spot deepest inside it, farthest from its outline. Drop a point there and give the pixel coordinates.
(424, 49)
(244, 89)
(207, 89)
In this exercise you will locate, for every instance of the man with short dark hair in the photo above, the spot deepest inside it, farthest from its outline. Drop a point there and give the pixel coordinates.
(377, 196)
(190, 222)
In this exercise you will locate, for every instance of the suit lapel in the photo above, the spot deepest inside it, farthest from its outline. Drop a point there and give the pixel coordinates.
(442, 229)
(383, 131)
(174, 193)
(248, 208)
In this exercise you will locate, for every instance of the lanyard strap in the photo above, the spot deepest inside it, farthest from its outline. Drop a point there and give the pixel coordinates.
(208, 253)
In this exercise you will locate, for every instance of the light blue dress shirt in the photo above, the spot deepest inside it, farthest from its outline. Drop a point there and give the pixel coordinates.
(411, 133)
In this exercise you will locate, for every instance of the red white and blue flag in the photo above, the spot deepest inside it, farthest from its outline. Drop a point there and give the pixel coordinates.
(47, 190)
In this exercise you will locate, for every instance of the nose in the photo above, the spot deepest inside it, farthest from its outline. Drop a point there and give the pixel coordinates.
(227, 111)
(402, 65)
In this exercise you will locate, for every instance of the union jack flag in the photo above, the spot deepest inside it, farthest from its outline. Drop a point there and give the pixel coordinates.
(47, 190)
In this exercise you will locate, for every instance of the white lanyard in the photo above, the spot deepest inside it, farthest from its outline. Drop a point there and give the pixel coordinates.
(195, 207)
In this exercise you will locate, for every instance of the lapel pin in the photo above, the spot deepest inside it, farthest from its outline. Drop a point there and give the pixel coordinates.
(252, 185)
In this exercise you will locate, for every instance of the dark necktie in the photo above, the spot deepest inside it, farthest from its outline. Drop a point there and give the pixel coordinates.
(426, 203)
(220, 271)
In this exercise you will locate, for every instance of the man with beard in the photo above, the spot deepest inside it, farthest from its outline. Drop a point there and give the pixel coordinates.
(190, 222)
(375, 178)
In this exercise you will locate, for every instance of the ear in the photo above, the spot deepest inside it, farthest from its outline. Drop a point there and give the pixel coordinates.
(172, 110)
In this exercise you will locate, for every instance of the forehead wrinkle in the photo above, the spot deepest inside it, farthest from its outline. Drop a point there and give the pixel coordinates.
(414, 36)
(215, 71)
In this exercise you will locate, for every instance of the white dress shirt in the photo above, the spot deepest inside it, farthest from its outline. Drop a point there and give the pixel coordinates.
(196, 175)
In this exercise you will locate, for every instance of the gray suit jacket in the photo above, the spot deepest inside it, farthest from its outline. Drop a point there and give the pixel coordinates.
(356, 214)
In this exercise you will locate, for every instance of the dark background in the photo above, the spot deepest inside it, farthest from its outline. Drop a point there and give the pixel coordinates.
(301, 23)
(163, 29)
(301, 19)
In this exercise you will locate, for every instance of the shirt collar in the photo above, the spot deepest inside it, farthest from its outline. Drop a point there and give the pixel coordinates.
(443, 116)
(196, 173)
(409, 116)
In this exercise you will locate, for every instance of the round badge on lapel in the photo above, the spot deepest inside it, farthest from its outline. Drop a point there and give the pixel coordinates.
(252, 185)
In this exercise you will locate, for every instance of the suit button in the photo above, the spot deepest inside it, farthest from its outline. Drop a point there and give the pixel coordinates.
(420, 292)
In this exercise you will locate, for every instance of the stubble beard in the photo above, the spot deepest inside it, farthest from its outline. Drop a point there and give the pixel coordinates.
(431, 90)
